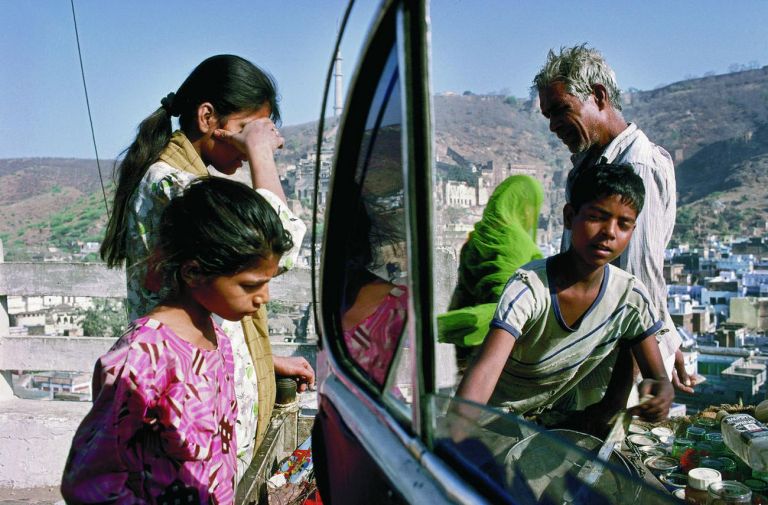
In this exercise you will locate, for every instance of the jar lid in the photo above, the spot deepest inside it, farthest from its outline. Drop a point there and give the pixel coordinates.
(662, 432)
(640, 440)
(662, 464)
(701, 478)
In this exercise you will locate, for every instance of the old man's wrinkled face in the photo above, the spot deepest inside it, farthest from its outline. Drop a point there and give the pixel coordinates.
(573, 121)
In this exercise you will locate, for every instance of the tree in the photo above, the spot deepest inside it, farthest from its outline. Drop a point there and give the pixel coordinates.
(105, 319)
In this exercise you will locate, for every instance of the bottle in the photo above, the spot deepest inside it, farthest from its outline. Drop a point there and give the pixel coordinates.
(746, 437)
(699, 480)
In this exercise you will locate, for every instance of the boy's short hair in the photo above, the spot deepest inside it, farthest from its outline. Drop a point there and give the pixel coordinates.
(608, 179)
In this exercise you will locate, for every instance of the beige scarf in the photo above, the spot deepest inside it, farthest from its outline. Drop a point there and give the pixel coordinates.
(181, 155)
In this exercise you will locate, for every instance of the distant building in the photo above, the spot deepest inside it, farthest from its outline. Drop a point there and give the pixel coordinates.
(749, 311)
(62, 382)
(674, 273)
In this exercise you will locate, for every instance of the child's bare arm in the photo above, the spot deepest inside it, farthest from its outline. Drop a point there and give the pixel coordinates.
(656, 382)
(482, 375)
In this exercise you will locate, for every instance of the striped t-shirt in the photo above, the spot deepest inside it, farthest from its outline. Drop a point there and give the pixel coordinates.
(549, 357)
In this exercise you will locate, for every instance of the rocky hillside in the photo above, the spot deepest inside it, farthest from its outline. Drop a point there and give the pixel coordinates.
(715, 127)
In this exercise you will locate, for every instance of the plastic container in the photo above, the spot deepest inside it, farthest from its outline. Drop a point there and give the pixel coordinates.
(729, 492)
(699, 480)
(746, 437)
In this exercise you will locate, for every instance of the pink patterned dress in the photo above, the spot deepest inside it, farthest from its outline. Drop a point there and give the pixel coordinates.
(161, 429)
(372, 342)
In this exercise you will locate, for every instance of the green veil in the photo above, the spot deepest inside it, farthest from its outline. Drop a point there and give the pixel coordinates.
(503, 240)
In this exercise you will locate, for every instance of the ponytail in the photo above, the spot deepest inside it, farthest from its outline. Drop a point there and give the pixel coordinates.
(230, 83)
(153, 135)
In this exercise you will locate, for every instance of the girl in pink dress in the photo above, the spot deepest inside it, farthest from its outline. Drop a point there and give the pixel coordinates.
(161, 429)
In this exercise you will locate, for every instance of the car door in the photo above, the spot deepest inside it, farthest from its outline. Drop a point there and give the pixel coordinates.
(388, 429)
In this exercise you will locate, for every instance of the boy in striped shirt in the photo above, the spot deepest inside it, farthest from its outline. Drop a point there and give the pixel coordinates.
(561, 321)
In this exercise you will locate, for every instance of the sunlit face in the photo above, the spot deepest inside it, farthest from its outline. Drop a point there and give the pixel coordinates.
(601, 229)
(225, 157)
(574, 122)
(236, 296)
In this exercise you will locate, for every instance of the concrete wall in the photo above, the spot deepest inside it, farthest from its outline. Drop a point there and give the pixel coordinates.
(35, 436)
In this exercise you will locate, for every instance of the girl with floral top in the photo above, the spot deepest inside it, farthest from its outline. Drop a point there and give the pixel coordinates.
(227, 110)
(162, 425)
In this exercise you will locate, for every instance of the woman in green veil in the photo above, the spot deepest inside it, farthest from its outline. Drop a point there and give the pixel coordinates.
(503, 240)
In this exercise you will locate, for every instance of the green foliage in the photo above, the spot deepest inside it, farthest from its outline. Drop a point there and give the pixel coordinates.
(510, 100)
(106, 319)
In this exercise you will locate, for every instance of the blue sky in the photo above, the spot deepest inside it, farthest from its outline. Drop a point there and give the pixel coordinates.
(136, 52)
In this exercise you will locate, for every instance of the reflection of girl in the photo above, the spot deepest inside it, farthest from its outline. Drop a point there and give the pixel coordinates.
(374, 309)
(226, 108)
(502, 241)
(162, 425)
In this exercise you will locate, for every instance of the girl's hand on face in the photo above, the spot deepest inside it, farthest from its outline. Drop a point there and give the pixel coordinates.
(256, 136)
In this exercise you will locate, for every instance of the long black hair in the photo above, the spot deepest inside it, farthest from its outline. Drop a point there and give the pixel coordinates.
(222, 225)
(230, 83)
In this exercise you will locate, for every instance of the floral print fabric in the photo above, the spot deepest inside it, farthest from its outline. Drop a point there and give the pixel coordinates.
(161, 429)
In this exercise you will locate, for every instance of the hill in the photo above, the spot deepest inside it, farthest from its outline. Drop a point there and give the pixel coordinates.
(715, 127)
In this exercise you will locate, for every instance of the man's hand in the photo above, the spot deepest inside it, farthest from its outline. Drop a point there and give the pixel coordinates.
(659, 395)
(683, 385)
(298, 367)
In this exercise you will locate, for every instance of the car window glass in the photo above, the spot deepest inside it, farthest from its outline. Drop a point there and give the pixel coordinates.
(374, 304)
(518, 462)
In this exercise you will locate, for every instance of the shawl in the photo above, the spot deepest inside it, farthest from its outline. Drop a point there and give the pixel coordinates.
(502, 241)
(181, 155)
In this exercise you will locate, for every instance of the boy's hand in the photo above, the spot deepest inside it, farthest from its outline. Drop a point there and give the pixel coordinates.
(655, 408)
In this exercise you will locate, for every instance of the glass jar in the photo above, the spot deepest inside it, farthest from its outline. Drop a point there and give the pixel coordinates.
(718, 445)
(699, 479)
(759, 491)
(695, 433)
(729, 492)
(729, 468)
(680, 445)
(708, 423)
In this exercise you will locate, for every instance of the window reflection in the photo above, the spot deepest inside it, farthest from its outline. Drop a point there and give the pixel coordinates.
(375, 295)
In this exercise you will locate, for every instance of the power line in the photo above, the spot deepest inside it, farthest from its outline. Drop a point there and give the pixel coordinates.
(88, 105)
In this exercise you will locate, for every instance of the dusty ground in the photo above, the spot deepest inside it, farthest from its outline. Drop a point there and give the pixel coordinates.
(36, 496)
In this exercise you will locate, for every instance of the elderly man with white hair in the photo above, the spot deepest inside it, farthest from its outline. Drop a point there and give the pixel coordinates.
(579, 96)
